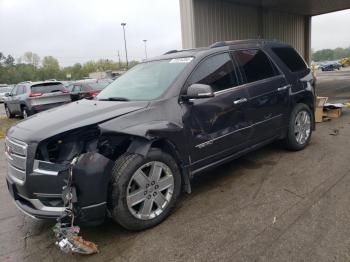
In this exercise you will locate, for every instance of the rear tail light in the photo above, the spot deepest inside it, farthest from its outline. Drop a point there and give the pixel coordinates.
(65, 90)
(35, 94)
(93, 93)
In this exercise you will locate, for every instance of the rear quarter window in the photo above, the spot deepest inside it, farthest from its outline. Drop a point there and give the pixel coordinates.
(47, 88)
(255, 64)
(290, 58)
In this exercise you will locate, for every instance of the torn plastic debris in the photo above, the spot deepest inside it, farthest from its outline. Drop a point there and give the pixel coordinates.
(67, 234)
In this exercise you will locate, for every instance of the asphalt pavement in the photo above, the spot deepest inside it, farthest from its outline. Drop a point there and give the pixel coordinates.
(270, 205)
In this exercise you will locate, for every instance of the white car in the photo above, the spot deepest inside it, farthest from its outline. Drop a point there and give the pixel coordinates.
(4, 91)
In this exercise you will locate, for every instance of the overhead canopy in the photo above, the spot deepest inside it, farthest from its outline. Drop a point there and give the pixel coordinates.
(301, 7)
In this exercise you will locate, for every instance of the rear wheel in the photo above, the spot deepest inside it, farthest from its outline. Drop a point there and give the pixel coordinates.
(8, 113)
(25, 112)
(144, 190)
(300, 128)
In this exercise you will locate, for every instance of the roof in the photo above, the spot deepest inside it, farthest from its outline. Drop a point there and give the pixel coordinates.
(214, 47)
(301, 7)
(40, 83)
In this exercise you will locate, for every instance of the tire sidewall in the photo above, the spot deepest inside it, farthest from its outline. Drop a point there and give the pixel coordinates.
(8, 112)
(24, 113)
(120, 210)
(291, 134)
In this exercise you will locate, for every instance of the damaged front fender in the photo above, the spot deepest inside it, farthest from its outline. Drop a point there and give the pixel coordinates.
(92, 174)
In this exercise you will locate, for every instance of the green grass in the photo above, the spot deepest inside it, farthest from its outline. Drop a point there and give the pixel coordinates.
(5, 124)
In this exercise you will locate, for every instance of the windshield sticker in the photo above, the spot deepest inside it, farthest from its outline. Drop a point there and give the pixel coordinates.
(181, 60)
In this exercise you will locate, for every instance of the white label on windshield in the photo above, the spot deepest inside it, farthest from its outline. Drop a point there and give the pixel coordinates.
(181, 60)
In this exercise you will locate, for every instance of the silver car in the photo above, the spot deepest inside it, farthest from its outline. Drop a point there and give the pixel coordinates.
(4, 91)
(28, 98)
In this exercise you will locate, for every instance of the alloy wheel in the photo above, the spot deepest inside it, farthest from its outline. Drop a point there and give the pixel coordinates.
(24, 114)
(302, 127)
(150, 190)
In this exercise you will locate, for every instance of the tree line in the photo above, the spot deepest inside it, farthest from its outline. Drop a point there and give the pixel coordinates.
(330, 54)
(30, 67)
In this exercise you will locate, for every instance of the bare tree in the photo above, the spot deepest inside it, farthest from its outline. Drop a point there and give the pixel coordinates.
(36, 60)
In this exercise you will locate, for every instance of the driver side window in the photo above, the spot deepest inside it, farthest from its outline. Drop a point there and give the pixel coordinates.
(218, 71)
(14, 91)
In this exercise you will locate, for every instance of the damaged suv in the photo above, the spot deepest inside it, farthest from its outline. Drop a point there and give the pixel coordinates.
(140, 141)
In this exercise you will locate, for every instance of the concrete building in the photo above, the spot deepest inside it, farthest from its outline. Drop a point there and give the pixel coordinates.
(204, 22)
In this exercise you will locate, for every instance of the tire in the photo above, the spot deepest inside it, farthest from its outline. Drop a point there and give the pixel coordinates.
(8, 113)
(127, 211)
(25, 113)
(299, 128)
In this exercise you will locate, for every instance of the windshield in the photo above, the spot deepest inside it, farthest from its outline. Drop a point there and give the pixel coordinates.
(145, 81)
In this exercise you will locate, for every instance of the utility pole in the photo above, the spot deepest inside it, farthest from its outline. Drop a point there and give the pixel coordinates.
(120, 64)
(145, 41)
(126, 51)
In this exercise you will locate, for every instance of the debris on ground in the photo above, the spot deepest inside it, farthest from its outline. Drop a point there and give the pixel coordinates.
(326, 111)
(66, 232)
(335, 132)
(274, 220)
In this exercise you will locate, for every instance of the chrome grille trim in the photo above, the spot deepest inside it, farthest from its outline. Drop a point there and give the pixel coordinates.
(16, 154)
(18, 147)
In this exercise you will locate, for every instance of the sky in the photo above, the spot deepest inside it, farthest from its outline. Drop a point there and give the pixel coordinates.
(82, 30)
(331, 30)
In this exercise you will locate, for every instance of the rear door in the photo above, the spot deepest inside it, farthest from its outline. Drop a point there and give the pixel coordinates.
(217, 126)
(268, 92)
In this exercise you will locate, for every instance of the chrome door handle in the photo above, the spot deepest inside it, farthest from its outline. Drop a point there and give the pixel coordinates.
(240, 101)
(283, 88)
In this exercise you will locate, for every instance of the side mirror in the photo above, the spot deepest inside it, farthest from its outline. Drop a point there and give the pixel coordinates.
(198, 91)
(7, 94)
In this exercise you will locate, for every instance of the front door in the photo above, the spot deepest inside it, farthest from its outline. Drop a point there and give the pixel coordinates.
(11, 100)
(268, 91)
(217, 126)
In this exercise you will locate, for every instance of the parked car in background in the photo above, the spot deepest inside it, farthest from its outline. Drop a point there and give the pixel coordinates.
(4, 91)
(87, 88)
(331, 66)
(141, 140)
(28, 98)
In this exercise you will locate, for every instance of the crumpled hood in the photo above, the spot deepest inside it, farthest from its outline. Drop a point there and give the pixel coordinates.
(70, 116)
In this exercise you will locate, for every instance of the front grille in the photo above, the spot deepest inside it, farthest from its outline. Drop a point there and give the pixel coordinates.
(16, 153)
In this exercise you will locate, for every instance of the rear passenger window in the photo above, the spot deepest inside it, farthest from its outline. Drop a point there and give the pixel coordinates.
(47, 88)
(255, 65)
(217, 71)
(291, 58)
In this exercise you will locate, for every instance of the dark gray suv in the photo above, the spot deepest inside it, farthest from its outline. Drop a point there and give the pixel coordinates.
(132, 149)
(28, 98)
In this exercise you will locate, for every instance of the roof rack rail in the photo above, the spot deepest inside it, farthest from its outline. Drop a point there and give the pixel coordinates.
(178, 51)
(218, 44)
(232, 42)
(171, 52)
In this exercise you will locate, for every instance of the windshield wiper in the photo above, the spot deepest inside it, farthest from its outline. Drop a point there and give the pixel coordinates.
(114, 99)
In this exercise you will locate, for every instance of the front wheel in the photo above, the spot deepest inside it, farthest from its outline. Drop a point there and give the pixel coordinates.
(300, 128)
(8, 113)
(144, 190)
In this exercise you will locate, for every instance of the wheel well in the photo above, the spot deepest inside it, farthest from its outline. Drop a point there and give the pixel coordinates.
(309, 101)
(169, 148)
